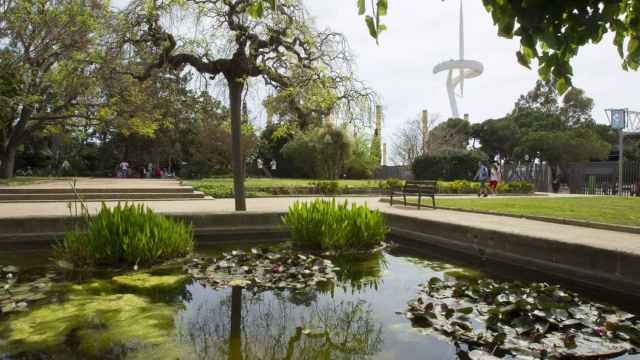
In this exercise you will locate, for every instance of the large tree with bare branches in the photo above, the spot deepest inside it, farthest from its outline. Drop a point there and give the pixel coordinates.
(262, 39)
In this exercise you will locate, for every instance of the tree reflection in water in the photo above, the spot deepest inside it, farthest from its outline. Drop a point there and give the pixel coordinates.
(237, 324)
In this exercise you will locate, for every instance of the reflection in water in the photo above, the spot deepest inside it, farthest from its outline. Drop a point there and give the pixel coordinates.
(359, 272)
(236, 325)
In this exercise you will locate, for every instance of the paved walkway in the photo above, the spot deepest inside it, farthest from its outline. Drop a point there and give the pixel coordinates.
(99, 183)
(605, 239)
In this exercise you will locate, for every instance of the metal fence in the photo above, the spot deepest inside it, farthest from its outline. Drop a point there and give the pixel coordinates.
(398, 172)
(537, 174)
(601, 178)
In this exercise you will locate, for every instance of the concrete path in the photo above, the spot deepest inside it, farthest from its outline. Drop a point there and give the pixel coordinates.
(605, 239)
(98, 183)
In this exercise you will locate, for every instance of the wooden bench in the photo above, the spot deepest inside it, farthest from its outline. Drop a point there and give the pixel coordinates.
(426, 188)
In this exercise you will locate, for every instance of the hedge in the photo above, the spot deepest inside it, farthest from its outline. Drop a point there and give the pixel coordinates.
(450, 165)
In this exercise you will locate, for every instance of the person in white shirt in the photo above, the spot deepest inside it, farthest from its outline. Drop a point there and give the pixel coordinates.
(496, 176)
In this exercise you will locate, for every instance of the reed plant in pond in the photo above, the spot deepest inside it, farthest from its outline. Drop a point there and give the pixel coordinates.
(328, 225)
(125, 235)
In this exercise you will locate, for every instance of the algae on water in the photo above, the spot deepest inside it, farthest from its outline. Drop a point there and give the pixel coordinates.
(94, 320)
(145, 283)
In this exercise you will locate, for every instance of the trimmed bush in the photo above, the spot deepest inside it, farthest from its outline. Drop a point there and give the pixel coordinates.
(449, 165)
(328, 187)
(327, 225)
(472, 187)
(126, 235)
(385, 185)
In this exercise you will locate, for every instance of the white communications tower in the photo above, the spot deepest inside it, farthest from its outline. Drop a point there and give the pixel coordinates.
(467, 69)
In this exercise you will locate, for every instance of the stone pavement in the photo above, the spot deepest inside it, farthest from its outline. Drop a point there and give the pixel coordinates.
(604, 239)
(97, 183)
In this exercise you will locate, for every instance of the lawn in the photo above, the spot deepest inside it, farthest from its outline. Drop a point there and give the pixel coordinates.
(223, 187)
(24, 180)
(273, 182)
(609, 210)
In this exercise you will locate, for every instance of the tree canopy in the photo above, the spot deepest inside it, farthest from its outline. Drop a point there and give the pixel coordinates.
(539, 127)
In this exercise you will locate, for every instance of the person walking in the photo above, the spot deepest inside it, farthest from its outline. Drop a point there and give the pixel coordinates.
(495, 178)
(482, 175)
(124, 168)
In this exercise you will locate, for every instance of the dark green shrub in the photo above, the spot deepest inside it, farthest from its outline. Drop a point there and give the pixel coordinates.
(449, 165)
(126, 235)
(319, 152)
(328, 187)
(472, 187)
(385, 185)
(326, 225)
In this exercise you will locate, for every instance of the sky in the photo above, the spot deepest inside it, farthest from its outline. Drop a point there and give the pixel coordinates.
(423, 33)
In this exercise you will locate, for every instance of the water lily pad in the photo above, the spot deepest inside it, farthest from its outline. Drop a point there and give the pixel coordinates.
(525, 320)
(256, 269)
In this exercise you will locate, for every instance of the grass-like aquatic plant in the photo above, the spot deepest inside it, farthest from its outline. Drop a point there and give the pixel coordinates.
(327, 225)
(125, 235)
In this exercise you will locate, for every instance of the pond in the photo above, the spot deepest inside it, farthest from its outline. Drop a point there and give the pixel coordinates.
(362, 313)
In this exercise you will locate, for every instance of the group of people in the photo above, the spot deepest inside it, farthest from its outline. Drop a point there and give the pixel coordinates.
(123, 170)
(493, 175)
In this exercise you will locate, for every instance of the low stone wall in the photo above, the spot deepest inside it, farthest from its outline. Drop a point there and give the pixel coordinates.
(223, 226)
(590, 266)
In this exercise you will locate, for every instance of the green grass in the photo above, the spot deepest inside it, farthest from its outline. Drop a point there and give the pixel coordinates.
(26, 180)
(266, 182)
(608, 210)
(223, 187)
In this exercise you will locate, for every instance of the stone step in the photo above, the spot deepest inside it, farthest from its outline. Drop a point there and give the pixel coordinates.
(102, 190)
(102, 196)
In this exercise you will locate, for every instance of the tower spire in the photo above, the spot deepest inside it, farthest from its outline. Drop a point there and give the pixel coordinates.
(461, 49)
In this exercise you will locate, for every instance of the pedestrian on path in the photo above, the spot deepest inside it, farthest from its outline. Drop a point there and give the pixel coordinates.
(482, 175)
(495, 178)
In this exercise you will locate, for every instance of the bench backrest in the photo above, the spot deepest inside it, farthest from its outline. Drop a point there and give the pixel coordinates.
(423, 187)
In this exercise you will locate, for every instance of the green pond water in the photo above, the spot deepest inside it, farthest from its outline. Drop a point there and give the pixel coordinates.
(164, 314)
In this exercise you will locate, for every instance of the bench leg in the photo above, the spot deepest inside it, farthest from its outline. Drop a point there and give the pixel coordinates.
(419, 200)
(391, 199)
(405, 200)
(433, 201)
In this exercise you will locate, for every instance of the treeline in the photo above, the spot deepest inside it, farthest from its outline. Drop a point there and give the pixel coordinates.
(543, 126)
(84, 86)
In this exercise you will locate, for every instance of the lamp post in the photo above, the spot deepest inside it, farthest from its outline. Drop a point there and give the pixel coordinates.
(618, 120)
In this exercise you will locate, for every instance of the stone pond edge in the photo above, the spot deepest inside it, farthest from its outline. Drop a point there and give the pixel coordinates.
(585, 265)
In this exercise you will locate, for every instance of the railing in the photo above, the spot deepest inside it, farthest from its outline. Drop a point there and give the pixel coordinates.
(601, 178)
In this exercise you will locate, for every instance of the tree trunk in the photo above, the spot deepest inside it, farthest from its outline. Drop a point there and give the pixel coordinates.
(237, 157)
(8, 160)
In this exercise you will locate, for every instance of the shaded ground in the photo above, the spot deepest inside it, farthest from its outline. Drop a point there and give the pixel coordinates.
(602, 209)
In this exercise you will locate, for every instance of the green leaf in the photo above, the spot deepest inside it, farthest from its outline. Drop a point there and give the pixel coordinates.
(382, 6)
(372, 27)
(361, 7)
(256, 10)
(523, 59)
(563, 85)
